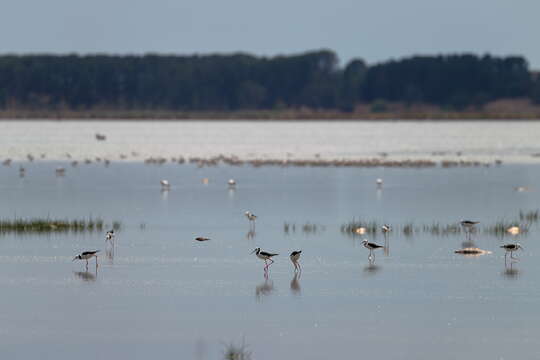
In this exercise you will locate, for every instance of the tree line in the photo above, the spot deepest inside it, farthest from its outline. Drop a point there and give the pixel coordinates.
(242, 81)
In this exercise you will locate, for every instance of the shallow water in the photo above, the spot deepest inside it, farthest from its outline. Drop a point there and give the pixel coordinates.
(160, 294)
(511, 141)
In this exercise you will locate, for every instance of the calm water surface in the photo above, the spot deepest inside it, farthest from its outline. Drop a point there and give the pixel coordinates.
(512, 141)
(158, 293)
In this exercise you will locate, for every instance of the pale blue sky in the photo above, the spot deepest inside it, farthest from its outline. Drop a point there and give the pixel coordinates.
(374, 30)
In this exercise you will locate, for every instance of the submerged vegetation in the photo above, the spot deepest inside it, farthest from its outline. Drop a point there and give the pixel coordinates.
(500, 228)
(307, 228)
(43, 225)
(236, 352)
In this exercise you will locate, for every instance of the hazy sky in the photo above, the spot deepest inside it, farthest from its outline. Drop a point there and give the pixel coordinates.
(374, 30)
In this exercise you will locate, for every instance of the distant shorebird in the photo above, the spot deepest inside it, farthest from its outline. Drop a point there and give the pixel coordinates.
(231, 182)
(371, 247)
(263, 255)
(165, 184)
(110, 235)
(87, 255)
(469, 226)
(379, 182)
(510, 248)
(295, 256)
(200, 238)
(251, 217)
(60, 171)
(385, 229)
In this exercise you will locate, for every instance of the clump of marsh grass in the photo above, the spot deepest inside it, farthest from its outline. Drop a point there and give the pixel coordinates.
(237, 352)
(408, 229)
(358, 227)
(307, 228)
(442, 229)
(43, 225)
(531, 216)
(501, 228)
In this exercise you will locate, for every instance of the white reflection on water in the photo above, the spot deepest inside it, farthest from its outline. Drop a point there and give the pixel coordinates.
(481, 140)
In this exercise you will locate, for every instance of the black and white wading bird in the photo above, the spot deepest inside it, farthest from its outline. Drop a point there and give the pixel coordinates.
(371, 247)
(251, 217)
(510, 248)
(295, 256)
(110, 235)
(385, 229)
(263, 255)
(200, 238)
(468, 225)
(87, 255)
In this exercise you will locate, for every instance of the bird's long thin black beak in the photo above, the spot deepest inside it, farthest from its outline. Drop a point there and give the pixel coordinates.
(75, 258)
(253, 251)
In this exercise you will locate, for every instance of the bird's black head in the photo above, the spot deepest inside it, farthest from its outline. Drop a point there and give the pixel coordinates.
(256, 251)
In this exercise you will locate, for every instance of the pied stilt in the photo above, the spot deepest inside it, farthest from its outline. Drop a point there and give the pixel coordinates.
(295, 256)
(385, 229)
(263, 255)
(371, 247)
(469, 226)
(87, 255)
(510, 248)
(251, 217)
(110, 235)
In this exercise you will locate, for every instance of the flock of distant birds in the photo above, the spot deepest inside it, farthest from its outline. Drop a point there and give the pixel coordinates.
(468, 225)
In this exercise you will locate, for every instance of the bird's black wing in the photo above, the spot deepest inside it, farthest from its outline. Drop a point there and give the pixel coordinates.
(90, 252)
(264, 253)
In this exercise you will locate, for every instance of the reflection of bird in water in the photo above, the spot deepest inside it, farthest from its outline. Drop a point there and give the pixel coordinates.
(510, 248)
(386, 230)
(295, 256)
(109, 252)
(250, 234)
(371, 268)
(266, 256)
(295, 284)
(85, 275)
(509, 271)
(265, 288)
(468, 244)
(200, 238)
(371, 247)
(87, 255)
